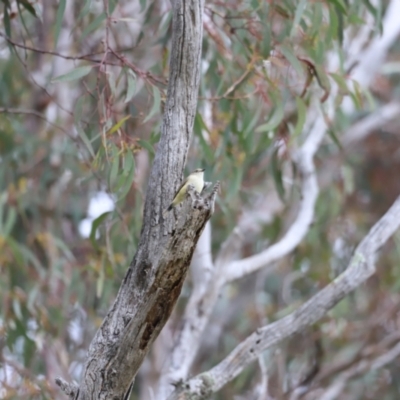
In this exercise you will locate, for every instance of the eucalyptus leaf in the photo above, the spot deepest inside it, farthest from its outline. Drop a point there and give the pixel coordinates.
(73, 75)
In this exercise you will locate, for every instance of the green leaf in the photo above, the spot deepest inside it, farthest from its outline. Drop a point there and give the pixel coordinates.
(299, 12)
(28, 7)
(7, 23)
(125, 178)
(265, 44)
(29, 256)
(253, 122)
(16, 249)
(78, 110)
(156, 104)
(340, 25)
(128, 174)
(335, 139)
(118, 125)
(142, 5)
(85, 9)
(93, 25)
(64, 248)
(10, 221)
(85, 140)
(341, 82)
(236, 177)
(317, 18)
(357, 95)
(301, 116)
(114, 166)
(376, 12)
(348, 179)
(147, 146)
(76, 73)
(294, 61)
(59, 20)
(21, 16)
(16, 306)
(198, 128)
(277, 175)
(95, 225)
(370, 98)
(131, 88)
(111, 5)
(323, 81)
(3, 199)
(275, 119)
(100, 281)
(29, 350)
(333, 25)
(340, 5)
(129, 163)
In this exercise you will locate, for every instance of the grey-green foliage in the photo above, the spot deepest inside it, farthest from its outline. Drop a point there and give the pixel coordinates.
(52, 160)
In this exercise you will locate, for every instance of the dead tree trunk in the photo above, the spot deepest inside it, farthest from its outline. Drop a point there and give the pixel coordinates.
(154, 279)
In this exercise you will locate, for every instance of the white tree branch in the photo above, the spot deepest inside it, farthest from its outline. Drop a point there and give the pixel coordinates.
(372, 57)
(361, 267)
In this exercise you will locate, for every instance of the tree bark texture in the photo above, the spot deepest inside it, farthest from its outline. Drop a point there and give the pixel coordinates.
(154, 279)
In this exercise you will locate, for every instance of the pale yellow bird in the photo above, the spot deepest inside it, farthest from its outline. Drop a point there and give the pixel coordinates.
(196, 179)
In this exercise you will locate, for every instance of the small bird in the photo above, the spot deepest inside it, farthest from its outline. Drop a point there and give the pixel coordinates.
(196, 179)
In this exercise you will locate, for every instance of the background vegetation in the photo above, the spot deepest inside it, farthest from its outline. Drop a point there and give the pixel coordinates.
(82, 86)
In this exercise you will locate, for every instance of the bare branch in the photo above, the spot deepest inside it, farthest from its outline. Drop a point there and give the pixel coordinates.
(70, 389)
(370, 60)
(361, 267)
(146, 75)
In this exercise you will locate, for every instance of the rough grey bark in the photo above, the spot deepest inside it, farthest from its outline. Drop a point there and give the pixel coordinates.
(154, 279)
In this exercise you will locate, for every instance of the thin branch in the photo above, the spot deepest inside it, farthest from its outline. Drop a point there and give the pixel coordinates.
(70, 389)
(52, 53)
(146, 75)
(6, 110)
(361, 267)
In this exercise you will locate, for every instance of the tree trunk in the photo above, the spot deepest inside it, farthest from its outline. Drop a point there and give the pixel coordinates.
(154, 279)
